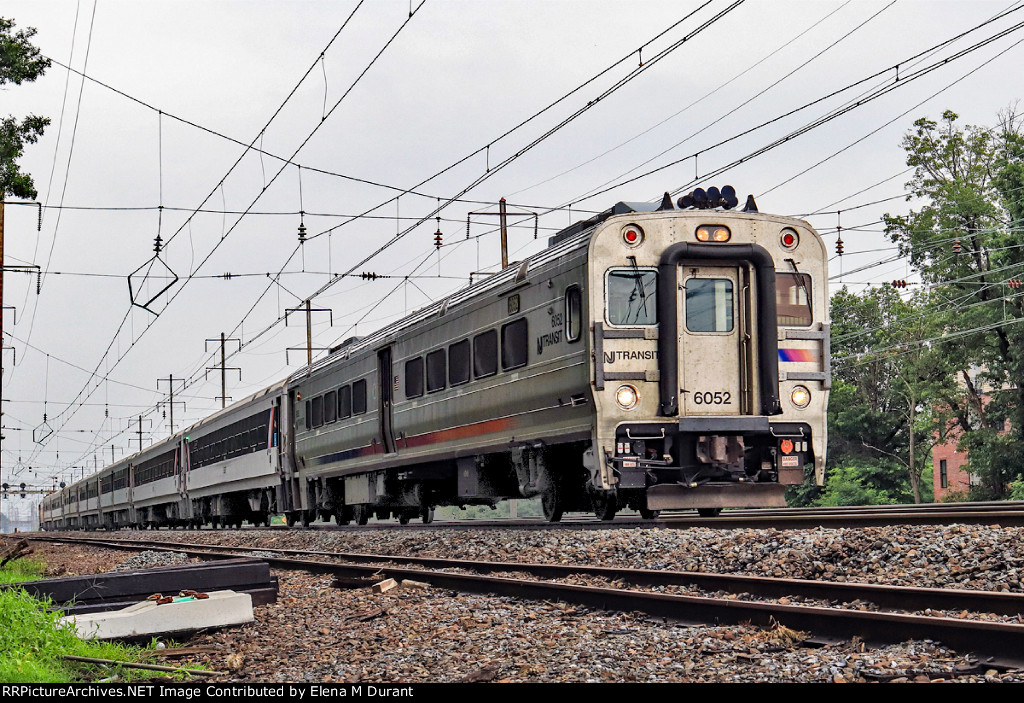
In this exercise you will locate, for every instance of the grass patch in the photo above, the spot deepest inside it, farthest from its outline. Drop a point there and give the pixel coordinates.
(32, 639)
(24, 569)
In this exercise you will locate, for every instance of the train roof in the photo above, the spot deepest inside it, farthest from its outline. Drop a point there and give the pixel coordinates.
(573, 237)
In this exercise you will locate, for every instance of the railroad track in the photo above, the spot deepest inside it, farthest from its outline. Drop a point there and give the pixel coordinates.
(1003, 513)
(685, 596)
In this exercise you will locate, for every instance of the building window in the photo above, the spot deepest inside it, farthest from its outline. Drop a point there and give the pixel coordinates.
(943, 478)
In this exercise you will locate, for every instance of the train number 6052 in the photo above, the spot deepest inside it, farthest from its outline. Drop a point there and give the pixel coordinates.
(712, 398)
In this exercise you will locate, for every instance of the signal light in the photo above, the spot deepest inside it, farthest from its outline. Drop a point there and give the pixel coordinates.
(899, 284)
(712, 198)
(1014, 283)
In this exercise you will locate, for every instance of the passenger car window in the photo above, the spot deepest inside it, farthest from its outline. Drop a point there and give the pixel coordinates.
(436, 371)
(573, 313)
(414, 377)
(344, 402)
(330, 407)
(485, 354)
(458, 362)
(709, 305)
(632, 296)
(793, 299)
(359, 397)
(514, 344)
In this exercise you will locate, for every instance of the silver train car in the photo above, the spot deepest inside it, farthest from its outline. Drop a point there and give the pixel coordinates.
(652, 357)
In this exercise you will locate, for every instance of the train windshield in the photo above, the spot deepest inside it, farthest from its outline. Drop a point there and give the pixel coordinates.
(632, 296)
(793, 299)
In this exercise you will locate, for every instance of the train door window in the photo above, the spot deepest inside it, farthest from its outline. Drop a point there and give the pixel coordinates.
(344, 402)
(414, 377)
(485, 354)
(330, 406)
(436, 371)
(709, 305)
(458, 363)
(631, 295)
(309, 414)
(318, 411)
(573, 313)
(793, 299)
(514, 344)
(359, 397)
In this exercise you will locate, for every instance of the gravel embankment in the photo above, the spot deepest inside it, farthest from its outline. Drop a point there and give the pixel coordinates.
(322, 634)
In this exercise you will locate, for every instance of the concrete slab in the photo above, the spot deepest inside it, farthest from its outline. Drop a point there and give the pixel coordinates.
(183, 614)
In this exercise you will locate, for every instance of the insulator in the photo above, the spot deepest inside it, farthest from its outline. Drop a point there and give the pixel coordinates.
(158, 244)
(1014, 283)
(956, 246)
(839, 247)
(899, 284)
(302, 233)
(39, 282)
(437, 239)
(39, 218)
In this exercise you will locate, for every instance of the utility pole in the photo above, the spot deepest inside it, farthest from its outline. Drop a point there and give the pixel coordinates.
(503, 220)
(309, 310)
(138, 431)
(170, 402)
(224, 398)
(503, 226)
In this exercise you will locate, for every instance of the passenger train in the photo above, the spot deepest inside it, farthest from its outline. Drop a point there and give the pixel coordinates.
(652, 357)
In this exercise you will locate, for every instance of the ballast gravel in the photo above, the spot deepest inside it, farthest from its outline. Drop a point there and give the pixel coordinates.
(318, 633)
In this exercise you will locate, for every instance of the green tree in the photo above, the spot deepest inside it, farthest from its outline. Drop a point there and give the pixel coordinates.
(882, 415)
(19, 61)
(964, 243)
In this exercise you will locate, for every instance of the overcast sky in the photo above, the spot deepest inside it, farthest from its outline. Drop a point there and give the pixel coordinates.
(178, 81)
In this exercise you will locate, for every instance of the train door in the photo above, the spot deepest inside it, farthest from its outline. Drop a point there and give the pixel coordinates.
(715, 364)
(387, 385)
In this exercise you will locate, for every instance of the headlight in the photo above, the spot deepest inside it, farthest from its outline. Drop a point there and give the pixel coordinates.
(801, 397)
(626, 396)
(713, 233)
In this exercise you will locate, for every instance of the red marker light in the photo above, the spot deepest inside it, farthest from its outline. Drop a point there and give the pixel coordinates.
(789, 239)
(632, 235)
(786, 446)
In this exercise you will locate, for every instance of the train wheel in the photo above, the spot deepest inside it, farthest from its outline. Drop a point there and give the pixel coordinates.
(649, 514)
(605, 504)
(709, 512)
(342, 517)
(427, 515)
(403, 518)
(361, 514)
(289, 518)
